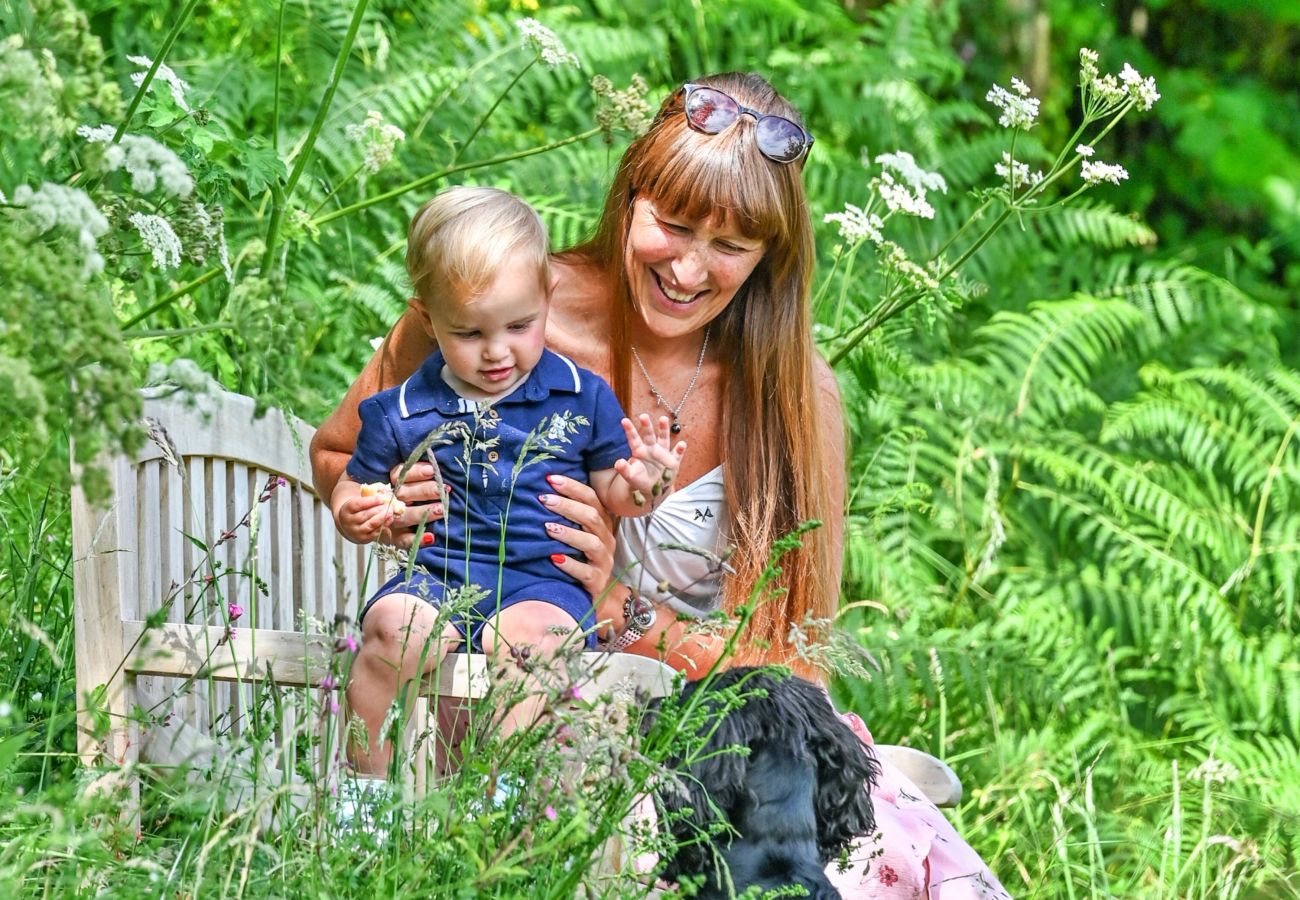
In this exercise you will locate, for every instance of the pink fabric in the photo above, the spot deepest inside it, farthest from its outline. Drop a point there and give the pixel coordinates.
(915, 852)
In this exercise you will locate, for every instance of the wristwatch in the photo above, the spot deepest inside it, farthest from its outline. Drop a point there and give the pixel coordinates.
(640, 615)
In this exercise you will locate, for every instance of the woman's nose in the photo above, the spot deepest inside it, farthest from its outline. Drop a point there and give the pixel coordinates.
(689, 268)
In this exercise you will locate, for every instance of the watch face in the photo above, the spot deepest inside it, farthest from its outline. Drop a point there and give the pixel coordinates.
(640, 613)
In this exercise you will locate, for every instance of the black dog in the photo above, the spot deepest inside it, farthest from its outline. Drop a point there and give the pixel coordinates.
(776, 815)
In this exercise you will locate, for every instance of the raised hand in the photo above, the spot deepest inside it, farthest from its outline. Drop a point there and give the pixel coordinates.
(653, 466)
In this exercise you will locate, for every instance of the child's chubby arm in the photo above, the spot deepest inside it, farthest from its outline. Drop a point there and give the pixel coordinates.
(636, 485)
(363, 511)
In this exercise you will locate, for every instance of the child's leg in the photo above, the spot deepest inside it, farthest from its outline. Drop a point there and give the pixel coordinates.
(398, 645)
(542, 626)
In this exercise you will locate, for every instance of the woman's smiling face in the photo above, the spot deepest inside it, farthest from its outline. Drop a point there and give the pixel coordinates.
(683, 272)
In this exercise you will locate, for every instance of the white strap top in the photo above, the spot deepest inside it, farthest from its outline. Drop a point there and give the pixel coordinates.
(654, 553)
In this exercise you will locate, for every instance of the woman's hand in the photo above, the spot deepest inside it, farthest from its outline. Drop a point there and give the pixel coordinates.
(419, 492)
(594, 538)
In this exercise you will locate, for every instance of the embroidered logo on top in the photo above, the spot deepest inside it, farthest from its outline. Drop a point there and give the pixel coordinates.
(703, 515)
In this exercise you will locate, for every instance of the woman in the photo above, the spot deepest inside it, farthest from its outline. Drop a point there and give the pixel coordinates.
(693, 299)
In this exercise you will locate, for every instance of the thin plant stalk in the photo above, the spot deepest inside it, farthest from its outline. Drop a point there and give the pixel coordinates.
(309, 144)
(425, 180)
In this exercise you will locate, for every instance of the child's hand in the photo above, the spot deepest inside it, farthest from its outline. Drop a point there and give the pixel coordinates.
(654, 462)
(362, 518)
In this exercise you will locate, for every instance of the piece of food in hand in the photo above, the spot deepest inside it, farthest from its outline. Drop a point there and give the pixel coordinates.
(396, 507)
(375, 489)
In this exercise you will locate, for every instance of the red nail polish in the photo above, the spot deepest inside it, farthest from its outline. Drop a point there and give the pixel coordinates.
(426, 539)
(557, 558)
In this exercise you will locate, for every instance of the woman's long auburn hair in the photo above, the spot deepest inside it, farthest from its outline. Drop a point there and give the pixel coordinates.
(776, 475)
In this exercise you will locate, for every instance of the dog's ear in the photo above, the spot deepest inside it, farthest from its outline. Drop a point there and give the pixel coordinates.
(846, 772)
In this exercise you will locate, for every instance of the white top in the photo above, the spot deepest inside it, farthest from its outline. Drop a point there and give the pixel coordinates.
(670, 555)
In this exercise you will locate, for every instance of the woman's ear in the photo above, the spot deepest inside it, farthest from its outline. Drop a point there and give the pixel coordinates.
(422, 313)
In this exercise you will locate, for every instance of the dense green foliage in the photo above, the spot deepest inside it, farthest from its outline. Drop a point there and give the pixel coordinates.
(1074, 527)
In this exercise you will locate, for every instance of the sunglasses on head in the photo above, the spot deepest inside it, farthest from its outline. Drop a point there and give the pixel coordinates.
(711, 111)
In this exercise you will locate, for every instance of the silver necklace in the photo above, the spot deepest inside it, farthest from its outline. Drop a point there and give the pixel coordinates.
(659, 398)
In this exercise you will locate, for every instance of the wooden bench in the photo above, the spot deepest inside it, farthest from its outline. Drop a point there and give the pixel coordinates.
(220, 508)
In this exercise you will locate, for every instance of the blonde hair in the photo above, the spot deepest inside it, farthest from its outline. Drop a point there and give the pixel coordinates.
(461, 238)
(771, 433)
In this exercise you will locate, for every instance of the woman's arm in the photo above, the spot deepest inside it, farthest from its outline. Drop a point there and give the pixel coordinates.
(671, 639)
(833, 456)
(405, 347)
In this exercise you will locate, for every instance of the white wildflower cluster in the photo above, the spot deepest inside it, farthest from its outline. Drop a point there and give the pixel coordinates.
(1015, 173)
(904, 165)
(159, 236)
(149, 163)
(55, 206)
(625, 110)
(165, 75)
(1215, 771)
(540, 39)
(900, 198)
(1142, 90)
(1088, 71)
(378, 138)
(857, 224)
(1019, 110)
(1102, 93)
(1097, 172)
(184, 374)
(1085, 150)
(895, 261)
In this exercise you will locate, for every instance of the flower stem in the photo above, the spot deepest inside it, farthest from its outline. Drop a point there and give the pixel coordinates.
(338, 187)
(449, 170)
(305, 153)
(275, 88)
(171, 298)
(157, 62)
(491, 109)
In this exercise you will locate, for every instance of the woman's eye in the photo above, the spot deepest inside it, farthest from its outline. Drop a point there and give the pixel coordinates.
(674, 227)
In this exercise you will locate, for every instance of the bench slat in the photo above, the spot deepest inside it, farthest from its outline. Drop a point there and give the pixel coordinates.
(296, 659)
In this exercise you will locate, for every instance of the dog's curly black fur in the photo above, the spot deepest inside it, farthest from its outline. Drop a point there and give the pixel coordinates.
(791, 804)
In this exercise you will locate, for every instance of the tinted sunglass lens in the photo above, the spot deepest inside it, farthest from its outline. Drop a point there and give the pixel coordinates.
(780, 139)
(710, 111)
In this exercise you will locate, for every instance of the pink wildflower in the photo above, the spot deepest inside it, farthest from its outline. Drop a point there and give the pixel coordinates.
(235, 611)
(550, 813)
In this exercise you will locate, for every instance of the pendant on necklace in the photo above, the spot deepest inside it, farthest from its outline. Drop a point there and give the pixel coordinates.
(676, 427)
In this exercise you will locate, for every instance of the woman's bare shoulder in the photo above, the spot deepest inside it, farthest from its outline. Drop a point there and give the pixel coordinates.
(578, 322)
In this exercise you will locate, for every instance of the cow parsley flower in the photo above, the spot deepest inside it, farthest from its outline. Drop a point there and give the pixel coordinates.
(904, 165)
(895, 261)
(98, 134)
(1214, 772)
(54, 206)
(625, 110)
(165, 75)
(1016, 173)
(1087, 66)
(378, 138)
(1085, 150)
(1019, 110)
(159, 236)
(1097, 172)
(899, 198)
(148, 162)
(540, 39)
(1142, 90)
(857, 224)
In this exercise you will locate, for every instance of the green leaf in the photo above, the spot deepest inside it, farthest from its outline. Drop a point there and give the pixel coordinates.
(260, 165)
(9, 748)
